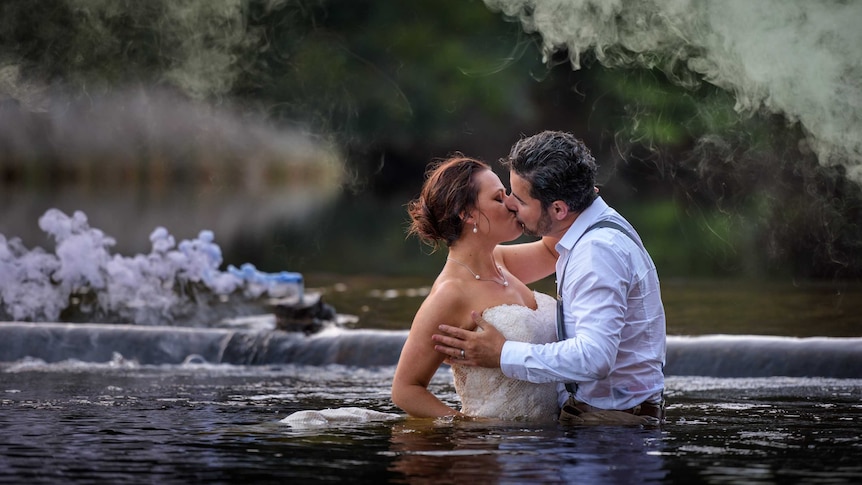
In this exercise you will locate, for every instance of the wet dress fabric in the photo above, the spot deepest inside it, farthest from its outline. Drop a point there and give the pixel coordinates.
(488, 393)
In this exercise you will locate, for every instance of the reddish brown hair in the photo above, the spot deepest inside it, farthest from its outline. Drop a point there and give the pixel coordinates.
(448, 192)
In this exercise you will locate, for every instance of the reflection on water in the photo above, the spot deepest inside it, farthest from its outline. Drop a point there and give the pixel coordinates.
(74, 422)
(483, 452)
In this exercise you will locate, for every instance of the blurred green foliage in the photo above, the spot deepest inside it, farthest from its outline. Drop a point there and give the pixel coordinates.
(393, 80)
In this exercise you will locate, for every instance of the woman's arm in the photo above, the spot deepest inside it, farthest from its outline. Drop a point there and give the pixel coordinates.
(419, 361)
(529, 262)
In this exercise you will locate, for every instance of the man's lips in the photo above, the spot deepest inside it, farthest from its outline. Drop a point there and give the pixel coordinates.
(518, 221)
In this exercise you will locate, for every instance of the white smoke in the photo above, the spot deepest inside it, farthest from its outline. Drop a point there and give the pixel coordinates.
(203, 38)
(173, 284)
(798, 58)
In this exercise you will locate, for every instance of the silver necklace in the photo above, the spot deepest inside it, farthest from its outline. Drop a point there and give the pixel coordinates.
(500, 269)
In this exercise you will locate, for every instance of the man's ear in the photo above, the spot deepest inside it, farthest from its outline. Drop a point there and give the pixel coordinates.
(558, 210)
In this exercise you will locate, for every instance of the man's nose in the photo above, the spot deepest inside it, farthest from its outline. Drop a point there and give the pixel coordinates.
(509, 201)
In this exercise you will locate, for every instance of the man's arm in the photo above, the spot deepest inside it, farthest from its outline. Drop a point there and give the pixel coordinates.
(594, 293)
(531, 261)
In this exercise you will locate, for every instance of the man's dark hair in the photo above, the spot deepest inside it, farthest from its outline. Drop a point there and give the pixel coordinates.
(558, 167)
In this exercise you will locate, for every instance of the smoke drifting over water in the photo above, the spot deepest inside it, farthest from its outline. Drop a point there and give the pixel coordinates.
(798, 58)
(159, 159)
(138, 133)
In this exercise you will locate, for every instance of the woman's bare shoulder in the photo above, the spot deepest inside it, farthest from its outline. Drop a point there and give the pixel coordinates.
(446, 303)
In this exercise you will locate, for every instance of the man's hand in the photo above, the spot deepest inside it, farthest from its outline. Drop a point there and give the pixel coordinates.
(471, 347)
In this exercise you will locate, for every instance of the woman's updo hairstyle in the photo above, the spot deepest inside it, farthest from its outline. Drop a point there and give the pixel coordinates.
(448, 192)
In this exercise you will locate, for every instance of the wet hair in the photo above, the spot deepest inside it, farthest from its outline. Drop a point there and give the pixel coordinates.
(448, 192)
(558, 167)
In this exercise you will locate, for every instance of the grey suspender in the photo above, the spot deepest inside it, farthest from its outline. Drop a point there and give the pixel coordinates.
(572, 387)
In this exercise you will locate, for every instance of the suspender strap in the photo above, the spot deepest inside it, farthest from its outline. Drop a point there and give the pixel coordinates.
(572, 387)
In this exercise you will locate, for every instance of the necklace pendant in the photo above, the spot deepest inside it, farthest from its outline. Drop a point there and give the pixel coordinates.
(477, 277)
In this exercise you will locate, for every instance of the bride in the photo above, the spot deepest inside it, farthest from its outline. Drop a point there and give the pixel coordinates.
(462, 207)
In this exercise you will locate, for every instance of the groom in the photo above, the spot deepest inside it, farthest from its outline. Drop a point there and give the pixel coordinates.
(610, 324)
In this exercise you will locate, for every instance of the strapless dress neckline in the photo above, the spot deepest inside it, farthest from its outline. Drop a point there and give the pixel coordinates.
(488, 393)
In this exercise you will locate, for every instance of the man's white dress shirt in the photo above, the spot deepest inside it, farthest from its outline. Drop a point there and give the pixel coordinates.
(614, 319)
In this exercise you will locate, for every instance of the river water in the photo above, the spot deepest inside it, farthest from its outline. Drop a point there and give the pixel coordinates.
(111, 409)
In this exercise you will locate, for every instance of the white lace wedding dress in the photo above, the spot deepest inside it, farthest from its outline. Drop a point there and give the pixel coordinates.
(490, 394)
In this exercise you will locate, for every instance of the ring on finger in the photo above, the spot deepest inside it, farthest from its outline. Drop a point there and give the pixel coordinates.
(463, 355)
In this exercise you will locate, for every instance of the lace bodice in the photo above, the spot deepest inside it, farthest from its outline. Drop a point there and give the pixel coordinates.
(487, 392)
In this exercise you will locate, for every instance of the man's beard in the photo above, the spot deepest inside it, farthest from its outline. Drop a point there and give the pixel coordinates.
(543, 226)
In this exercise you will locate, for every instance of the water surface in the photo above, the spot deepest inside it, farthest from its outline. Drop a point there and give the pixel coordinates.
(125, 418)
(119, 422)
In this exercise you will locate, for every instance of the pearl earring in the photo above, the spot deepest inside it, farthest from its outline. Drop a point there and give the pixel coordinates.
(475, 228)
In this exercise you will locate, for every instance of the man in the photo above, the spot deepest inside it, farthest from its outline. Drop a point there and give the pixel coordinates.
(611, 351)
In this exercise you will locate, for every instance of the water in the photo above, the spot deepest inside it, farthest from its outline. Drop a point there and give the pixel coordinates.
(88, 403)
(76, 422)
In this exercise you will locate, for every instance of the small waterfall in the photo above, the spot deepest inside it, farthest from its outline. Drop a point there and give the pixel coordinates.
(710, 355)
(54, 342)
(764, 356)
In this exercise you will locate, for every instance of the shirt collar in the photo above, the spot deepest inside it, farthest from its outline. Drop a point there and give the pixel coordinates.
(584, 220)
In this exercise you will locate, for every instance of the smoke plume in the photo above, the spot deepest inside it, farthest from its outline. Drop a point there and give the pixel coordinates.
(798, 58)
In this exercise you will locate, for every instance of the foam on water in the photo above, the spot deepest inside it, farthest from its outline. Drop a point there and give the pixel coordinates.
(337, 417)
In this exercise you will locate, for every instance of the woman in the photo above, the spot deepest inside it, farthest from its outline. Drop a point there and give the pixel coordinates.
(462, 206)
